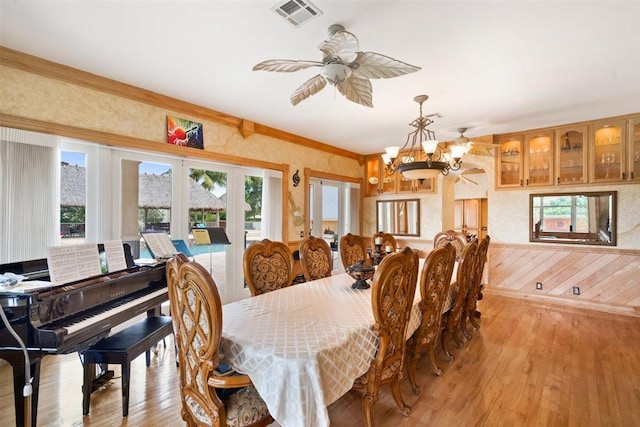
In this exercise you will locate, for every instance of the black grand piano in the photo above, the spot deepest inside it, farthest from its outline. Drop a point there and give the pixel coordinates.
(71, 317)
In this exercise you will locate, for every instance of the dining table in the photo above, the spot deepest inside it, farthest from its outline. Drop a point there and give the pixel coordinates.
(303, 346)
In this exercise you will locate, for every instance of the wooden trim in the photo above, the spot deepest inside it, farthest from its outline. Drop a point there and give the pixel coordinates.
(115, 140)
(576, 303)
(33, 64)
(568, 248)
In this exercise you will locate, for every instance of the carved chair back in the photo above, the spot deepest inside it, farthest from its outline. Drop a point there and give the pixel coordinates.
(471, 303)
(464, 279)
(267, 266)
(455, 238)
(353, 249)
(315, 258)
(392, 295)
(435, 282)
(196, 311)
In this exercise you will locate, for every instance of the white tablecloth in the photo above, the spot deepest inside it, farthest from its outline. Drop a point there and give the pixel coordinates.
(303, 346)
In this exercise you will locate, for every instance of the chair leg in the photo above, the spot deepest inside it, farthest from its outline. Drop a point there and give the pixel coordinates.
(397, 396)
(431, 352)
(368, 402)
(458, 341)
(411, 374)
(445, 347)
(463, 326)
(474, 319)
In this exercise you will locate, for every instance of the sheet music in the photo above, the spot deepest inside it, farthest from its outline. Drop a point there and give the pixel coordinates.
(114, 252)
(201, 236)
(73, 262)
(159, 244)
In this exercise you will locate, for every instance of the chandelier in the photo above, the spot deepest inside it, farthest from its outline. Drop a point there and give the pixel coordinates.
(437, 161)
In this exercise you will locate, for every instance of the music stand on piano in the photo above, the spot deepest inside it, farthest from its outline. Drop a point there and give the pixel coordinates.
(210, 236)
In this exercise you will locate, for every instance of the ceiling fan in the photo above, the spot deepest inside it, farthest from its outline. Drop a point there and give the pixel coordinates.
(342, 66)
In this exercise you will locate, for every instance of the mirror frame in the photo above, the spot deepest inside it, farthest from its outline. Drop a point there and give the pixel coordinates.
(395, 219)
(571, 237)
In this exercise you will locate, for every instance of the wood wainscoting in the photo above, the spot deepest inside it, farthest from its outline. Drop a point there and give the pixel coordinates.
(607, 278)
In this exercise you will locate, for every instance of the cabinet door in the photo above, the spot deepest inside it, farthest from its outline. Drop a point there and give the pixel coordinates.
(372, 176)
(509, 171)
(571, 155)
(539, 159)
(606, 139)
(634, 151)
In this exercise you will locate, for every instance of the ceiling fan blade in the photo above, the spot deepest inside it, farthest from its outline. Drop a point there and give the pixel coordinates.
(357, 90)
(285, 65)
(342, 45)
(312, 86)
(373, 65)
(466, 180)
(481, 150)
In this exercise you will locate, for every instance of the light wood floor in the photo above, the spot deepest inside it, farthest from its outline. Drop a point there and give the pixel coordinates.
(530, 364)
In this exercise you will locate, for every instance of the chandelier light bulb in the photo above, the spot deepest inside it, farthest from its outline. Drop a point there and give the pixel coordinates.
(392, 152)
(429, 146)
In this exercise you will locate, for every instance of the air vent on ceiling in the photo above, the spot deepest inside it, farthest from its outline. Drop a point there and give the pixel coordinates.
(296, 12)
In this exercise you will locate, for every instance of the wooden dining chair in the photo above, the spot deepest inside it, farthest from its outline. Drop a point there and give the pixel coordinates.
(352, 250)
(209, 397)
(315, 258)
(435, 282)
(387, 240)
(452, 237)
(470, 311)
(267, 266)
(452, 317)
(392, 294)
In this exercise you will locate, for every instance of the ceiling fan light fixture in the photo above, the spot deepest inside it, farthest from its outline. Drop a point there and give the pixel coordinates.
(335, 73)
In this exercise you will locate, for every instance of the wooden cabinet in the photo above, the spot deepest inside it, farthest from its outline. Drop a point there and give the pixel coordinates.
(571, 155)
(378, 181)
(510, 161)
(596, 152)
(538, 159)
(633, 153)
(606, 146)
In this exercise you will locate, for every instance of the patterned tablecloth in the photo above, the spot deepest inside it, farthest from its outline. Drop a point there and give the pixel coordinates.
(303, 346)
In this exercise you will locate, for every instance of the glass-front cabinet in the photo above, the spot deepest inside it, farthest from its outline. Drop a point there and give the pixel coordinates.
(377, 180)
(571, 155)
(539, 159)
(634, 150)
(606, 144)
(510, 167)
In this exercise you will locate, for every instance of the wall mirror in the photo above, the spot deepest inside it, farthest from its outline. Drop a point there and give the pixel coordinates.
(398, 217)
(587, 218)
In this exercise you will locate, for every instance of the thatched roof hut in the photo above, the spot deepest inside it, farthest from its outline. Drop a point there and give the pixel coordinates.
(155, 191)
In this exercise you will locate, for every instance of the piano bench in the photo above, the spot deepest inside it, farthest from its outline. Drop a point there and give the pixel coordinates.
(121, 349)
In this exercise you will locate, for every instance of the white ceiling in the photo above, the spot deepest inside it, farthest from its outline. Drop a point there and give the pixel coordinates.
(493, 67)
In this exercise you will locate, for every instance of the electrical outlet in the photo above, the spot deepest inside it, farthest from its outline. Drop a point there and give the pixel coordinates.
(539, 285)
(576, 290)
(302, 234)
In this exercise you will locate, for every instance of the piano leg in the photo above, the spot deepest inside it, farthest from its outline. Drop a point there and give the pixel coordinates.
(16, 359)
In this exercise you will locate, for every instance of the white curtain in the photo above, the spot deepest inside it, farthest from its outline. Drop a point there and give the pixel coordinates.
(272, 205)
(29, 195)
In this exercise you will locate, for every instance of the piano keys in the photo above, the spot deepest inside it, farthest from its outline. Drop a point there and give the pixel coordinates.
(67, 318)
